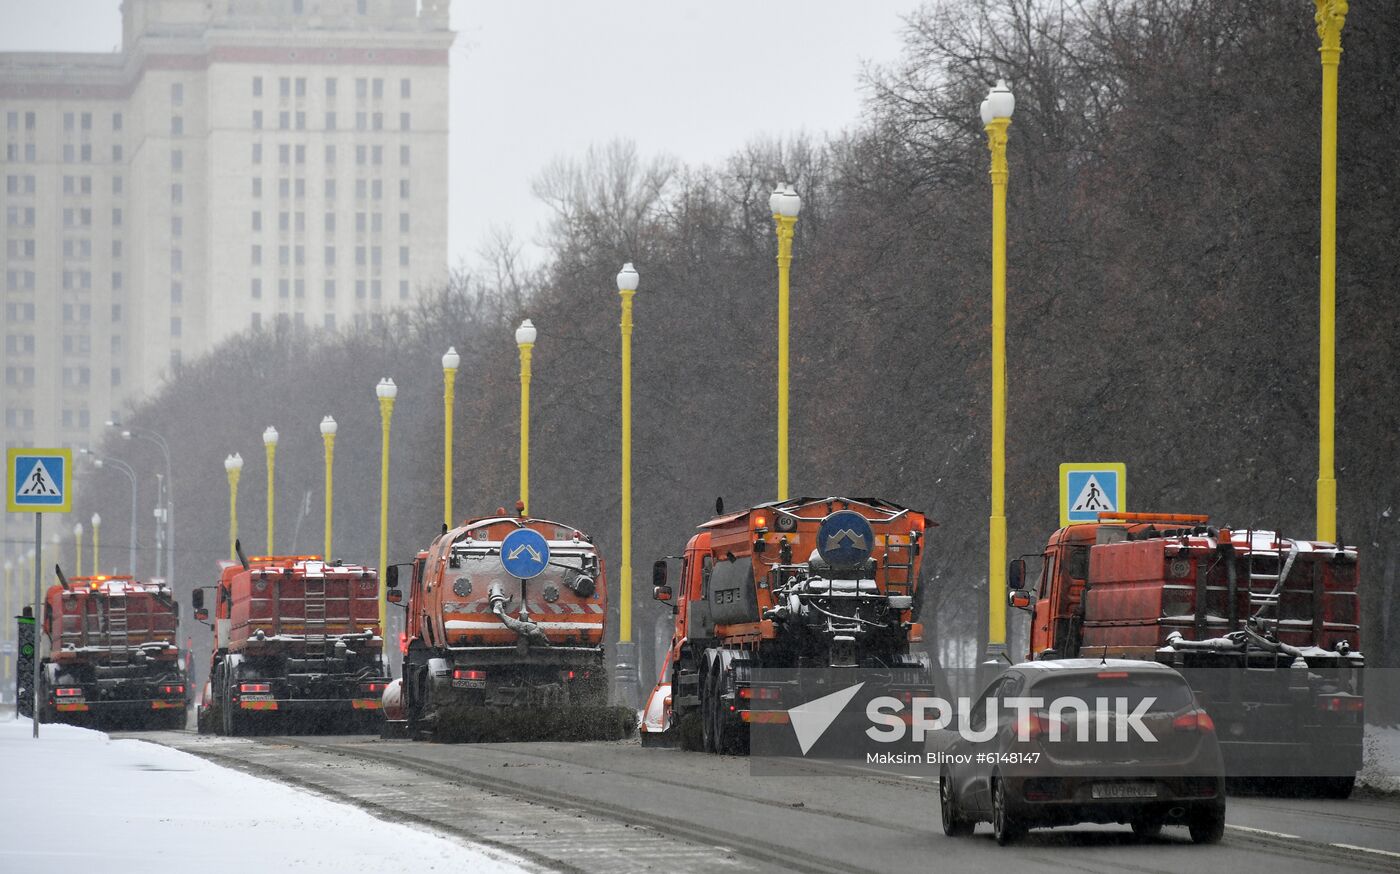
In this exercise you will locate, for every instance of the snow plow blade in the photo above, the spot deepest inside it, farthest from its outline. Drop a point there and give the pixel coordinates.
(523, 724)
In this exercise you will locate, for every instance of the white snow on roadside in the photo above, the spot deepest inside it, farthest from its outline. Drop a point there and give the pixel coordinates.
(1381, 765)
(78, 801)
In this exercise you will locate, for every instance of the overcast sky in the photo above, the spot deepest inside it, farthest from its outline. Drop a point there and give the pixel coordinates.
(536, 79)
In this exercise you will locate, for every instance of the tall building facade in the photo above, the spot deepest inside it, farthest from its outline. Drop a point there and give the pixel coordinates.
(238, 163)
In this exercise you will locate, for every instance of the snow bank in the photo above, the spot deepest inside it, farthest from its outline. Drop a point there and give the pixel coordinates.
(77, 801)
(1381, 768)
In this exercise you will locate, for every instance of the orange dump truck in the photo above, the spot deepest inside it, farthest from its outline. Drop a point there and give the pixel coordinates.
(1265, 628)
(481, 638)
(821, 583)
(296, 642)
(110, 654)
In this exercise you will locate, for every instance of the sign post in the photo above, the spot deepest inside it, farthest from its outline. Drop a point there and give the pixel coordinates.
(38, 481)
(1088, 489)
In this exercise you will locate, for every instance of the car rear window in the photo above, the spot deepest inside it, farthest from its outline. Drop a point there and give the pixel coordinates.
(1170, 693)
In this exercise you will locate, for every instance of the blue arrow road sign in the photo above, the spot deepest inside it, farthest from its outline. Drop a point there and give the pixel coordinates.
(845, 539)
(524, 553)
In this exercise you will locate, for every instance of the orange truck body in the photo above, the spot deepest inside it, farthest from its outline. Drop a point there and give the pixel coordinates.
(537, 642)
(1265, 628)
(297, 635)
(111, 650)
(756, 590)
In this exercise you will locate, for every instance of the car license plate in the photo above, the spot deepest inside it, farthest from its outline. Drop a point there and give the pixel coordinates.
(1125, 790)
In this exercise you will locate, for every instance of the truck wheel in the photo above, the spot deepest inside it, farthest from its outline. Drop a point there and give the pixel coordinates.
(1207, 825)
(709, 704)
(688, 731)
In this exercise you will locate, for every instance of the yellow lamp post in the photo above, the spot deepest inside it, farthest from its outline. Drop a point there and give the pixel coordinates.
(78, 548)
(449, 388)
(627, 281)
(996, 117)
(328, 429)
(96, 543)
(233, 466)
(784, 204)
(270, 448)
(386, 391)
(1331, 16)
(525, 339)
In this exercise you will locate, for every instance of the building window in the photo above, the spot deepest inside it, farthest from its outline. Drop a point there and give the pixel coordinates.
(329, 321)
(116, 282)
(68, 119)
(375, 258)
(69, 154)
(257, 186)
(284, 187)
(330, 87)
(116, 217)
(177, 260)
(85, 153)
(403, 121)
(300, 255)
(177, 125)
(284, 86)
(330, 189)
(378, 121)
(330, 222)
(283, 288)
(116, 374)
(361, 88)
(176, 326)
(116, 185)
(177, 160)
(257, 153)
(403, 222)
(330, 289)
(360, 254)
(405, 88)
(360, 288)
(116, 154)
(377, 189)
(177, 292)
(360, 155)
(330, 121)
(257, 220)
(177, 93)
(257, 86)
(255, 288)
(403, 256)
(301, 154)
(403, 189)
(377, 155)
(299, 288)
(301, 121)
(403, 156)
(361, 121)
(257, 119)
(301, 86)
(284, 154)
(256, 255)
(376, 222)
(177, 226)
(301, 222)
(330, 254)
(116, 313)
(378, 88)
(301, 188)
(374, 289)
(284, 255)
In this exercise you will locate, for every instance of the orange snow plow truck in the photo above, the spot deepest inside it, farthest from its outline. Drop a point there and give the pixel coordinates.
(1265, 628)
(111, 654)
(821, 583)
(296, 644)
(505, 641)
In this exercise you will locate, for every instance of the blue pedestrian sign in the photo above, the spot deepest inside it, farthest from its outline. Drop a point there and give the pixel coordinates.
(845, 539)
(524, 553)
(39, 480)
(1088, 489)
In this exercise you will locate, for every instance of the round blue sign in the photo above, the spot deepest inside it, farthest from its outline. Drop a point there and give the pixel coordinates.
(524, 553)
(845, 539)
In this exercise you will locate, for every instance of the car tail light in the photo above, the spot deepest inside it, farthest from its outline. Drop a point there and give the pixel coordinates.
(247, 688)
(758, 693)
(468, 674)
(68, 692)
(1196, 720)
(373, 688)
(176, 689)
(1043, 789)
(1199, 787)
(1341, 703)
(1034, 725)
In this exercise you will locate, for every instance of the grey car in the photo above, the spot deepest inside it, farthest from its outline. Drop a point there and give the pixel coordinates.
(1110, 741)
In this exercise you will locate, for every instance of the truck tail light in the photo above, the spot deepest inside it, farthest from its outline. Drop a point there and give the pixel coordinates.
(68, 692)
(254, 688)
(468, 674)
(373, 688)
(403, 643)
(759, 693)
(1341, 703)
(1196, 720)
(176, 689)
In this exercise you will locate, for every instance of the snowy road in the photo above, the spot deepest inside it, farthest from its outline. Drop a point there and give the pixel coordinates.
(77, 801)
(616, 807)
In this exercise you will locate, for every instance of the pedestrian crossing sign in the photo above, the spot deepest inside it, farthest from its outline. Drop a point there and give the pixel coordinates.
(39, 480)
(1088, 489)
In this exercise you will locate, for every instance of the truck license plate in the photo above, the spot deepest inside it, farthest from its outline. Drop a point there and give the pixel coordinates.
(1125, 790)
(469, 684)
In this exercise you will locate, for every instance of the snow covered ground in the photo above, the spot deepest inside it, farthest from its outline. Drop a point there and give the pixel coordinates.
(1381, 770)
(77, 801)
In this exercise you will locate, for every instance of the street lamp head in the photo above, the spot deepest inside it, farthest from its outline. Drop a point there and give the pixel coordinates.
(328, 426)
(96, 520)
(789, 204)
(78, 529)
(986, 111)
(110, 423)
(451, 359)
(776, 198)
(270, 436)
(126, 435)
(97, 462)
(525, 334)
(1000, 103)
(233, 463)
(627, 279)
(386, 389)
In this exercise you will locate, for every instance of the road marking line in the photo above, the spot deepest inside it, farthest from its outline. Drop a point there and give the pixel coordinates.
(1368, 850)
(1263, 831)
